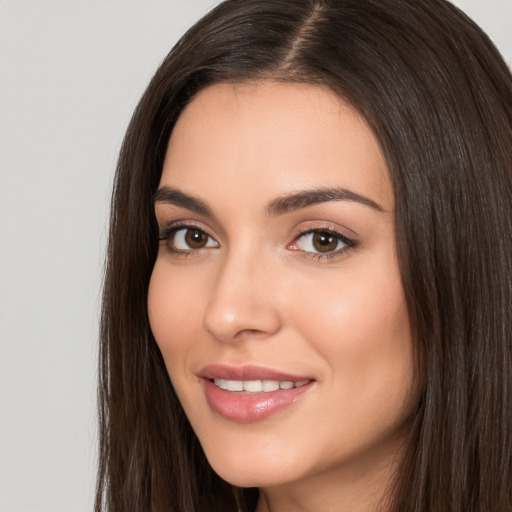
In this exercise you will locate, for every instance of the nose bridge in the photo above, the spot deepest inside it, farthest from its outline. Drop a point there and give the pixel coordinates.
(241, 301)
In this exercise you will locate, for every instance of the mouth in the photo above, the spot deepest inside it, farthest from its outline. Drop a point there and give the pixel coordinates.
(250, 393)
(258, 386)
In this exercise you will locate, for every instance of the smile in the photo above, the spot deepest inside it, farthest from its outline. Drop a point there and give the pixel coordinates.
(258, 386)
(251, 393)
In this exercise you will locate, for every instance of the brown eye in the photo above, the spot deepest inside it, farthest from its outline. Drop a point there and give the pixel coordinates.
(324, 241)
(195, 239)
(190, 239)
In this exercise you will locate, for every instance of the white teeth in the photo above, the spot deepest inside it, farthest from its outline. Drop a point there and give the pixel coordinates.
(222, 383)
(270, 385)
(253, 386)
(257, 386)
(234, 385)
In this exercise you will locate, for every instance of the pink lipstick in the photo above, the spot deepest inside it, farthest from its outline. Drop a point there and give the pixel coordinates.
(251, 393)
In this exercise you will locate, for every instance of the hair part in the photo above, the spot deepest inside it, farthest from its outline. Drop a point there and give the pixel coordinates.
(439, 99)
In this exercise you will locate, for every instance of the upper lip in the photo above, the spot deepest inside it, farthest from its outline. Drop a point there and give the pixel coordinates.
(248, 372)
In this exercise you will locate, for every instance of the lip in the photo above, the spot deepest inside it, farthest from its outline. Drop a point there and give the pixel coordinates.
(248, 372)
(250, 407)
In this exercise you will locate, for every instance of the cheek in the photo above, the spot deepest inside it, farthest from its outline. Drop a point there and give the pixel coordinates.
(360, 311)
(174, 315)
(359, 325)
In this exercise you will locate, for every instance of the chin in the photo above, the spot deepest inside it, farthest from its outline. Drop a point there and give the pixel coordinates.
(248, 469)
(250, 476)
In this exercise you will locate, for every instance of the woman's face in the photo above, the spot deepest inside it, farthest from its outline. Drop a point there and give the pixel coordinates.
(277, 278)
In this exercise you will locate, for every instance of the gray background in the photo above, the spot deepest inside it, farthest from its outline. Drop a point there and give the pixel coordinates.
(71, 72)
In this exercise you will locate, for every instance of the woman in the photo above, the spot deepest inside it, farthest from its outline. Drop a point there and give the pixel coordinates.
(308, 287)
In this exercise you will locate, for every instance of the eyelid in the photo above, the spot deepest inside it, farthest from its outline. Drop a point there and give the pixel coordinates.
(167, 232)
(167, 229)
(302, 231)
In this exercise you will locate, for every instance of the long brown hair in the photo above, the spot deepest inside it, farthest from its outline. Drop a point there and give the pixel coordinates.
(439, 98)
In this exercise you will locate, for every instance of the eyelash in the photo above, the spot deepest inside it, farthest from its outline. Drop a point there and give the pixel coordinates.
(318, 256)
(167, 232)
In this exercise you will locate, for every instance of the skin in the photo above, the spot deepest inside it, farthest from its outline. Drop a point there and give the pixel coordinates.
(259, 293)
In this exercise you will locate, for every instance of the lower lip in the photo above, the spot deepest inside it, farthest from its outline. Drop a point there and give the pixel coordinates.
(249, 407)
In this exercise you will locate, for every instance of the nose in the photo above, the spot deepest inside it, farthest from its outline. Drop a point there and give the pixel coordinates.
(243, 302)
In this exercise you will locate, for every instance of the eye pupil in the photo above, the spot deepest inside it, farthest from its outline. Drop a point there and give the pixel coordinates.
(324, 242)
(195, 238)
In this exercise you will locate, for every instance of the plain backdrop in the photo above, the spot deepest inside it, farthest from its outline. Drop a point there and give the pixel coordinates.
(71, 72)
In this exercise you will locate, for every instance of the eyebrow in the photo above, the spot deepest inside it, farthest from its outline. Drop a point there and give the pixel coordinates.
(173, 196)
(307, 198)
(279, 206)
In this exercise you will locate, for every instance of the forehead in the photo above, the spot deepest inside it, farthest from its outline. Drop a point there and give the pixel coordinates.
(274, 137)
